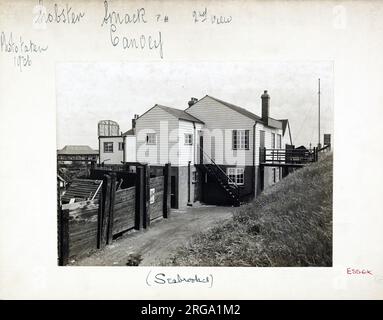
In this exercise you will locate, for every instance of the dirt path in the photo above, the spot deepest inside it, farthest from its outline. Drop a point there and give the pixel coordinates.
(161, 239)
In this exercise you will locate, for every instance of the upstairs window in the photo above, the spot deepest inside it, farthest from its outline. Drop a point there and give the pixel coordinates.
(108, 147)
(120, 146)
(236, 175)
(272, 140)
(240, 139)
(188, 139)
(151, 138)
(261, 138)
(279, 141)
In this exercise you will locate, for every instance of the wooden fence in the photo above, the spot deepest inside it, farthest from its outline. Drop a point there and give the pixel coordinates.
(156, 197)
(124, 210)
(84, 227)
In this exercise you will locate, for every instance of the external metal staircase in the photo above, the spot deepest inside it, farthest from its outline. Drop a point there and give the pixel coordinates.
(229, 186)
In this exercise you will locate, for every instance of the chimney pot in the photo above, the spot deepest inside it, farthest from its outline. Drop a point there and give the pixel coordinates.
(192, 101)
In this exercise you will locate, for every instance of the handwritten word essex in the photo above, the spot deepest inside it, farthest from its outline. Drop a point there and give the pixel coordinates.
(359, 271)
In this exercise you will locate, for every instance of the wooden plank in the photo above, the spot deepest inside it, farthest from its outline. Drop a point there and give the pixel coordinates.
(123, 205)
(79, 205)
(139, 199)
(124, 217)
(64, 235)
(166, 193)
(99, 219)
(104, 233)
(120, 198)
(111, 210)
(146, 196)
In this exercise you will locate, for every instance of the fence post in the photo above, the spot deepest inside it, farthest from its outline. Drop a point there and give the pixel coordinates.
(100, 217)
(146, 196)
(64, 237)
(106, 211)
(166, 201)
(58, 223)
(139, 198)
(111, 207)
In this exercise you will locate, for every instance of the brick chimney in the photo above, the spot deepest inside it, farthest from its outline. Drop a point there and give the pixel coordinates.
(136, 116)
(265, 105)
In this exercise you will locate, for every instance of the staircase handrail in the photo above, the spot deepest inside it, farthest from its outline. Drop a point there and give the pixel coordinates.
(223, 172)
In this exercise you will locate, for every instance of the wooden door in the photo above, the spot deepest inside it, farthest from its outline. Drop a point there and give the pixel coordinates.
(200, 148)
(173, 192)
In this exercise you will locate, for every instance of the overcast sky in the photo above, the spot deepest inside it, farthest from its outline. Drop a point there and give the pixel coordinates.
(89, 92)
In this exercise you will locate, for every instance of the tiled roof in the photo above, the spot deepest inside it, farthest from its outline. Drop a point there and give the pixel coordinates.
(179, 114)
(81, 190)
(238, 109)
(77, 150)
(284, 124)
(130, 132)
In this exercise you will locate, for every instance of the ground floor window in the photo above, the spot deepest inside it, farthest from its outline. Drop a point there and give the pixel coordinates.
(108, 147)
(236, 175)
(188, 139)
(120, 146)
(194, 177)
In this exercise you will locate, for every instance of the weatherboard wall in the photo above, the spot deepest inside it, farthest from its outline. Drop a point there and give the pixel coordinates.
(268, 137)
(130, 148)
(165, 149)
(219, 121)
(187, 152)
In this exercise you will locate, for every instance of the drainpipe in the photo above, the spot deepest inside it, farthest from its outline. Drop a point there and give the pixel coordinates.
(194, 143)
(189, 203)
(123, 149)
(254, 186)
(99, 151)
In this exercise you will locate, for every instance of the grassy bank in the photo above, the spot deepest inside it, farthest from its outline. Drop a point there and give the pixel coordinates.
(290, 224)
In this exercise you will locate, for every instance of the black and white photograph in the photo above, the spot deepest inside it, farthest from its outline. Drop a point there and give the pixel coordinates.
(191, 150)
(203, 164)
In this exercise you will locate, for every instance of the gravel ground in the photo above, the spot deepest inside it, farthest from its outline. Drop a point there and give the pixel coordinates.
(159, 241)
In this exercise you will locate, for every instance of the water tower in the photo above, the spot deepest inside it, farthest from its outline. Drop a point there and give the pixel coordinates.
(108, 128)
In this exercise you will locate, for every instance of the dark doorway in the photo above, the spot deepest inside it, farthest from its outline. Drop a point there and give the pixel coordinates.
(262, 177)
(173, 192)
(200, 149)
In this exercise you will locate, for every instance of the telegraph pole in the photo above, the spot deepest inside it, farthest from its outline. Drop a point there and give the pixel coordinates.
(319, 145)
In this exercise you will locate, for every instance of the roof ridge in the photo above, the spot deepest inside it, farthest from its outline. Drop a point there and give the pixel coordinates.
(233, 107)
(192, 118)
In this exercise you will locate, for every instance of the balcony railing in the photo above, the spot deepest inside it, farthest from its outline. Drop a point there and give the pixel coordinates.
(287, 156)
